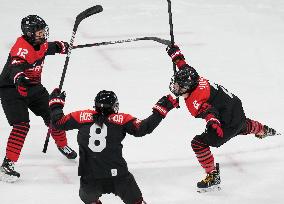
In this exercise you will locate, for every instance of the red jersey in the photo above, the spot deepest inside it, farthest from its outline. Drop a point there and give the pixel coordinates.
(210, 98)
(100, 138)
(27, 59)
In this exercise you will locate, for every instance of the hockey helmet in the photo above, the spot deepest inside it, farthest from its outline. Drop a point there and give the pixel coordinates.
(30, 25)
(184, 81)
(106, 102)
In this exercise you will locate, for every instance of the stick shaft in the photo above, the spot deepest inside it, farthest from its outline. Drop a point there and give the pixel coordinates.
(85, 14)
(156, 39)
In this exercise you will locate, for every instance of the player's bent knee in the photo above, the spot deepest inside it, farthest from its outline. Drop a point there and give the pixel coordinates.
(197, 143)
(89, 198)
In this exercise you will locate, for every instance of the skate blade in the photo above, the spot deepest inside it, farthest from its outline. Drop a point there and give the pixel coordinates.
(260, 137)
(276, 134)
(8, 179)
(209, 189)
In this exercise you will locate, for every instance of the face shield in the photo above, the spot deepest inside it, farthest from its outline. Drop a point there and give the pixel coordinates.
(176, 88)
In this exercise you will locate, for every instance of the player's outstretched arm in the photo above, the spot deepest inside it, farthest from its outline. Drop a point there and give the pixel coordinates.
(57, 47)
(58, 119)
(178, 58)
(140, 128)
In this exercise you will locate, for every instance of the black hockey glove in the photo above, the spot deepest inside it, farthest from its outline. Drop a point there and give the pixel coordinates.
(62, 47)
(175, 53)
(164, 105)
(57, 99)
(22, 82)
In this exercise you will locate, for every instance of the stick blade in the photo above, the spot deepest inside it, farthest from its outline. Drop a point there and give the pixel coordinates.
(159, 40)
(89, 12)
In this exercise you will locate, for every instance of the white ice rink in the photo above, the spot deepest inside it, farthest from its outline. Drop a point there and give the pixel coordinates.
(238, 44)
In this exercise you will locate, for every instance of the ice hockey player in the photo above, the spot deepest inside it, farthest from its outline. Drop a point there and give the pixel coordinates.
(101, 131)
(21, 89)
(222, 111)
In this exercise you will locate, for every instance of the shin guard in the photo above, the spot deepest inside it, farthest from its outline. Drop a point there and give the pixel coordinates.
(203, 155)
(16, 140)
(59, 137)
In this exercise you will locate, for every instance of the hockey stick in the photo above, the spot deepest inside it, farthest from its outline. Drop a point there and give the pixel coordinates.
(46, 139)
(85, 14)
(172, 35)
(156, 39)
(171, 29)
(79, 18)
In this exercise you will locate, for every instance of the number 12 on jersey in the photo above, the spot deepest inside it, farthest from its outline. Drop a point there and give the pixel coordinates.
(97, 140)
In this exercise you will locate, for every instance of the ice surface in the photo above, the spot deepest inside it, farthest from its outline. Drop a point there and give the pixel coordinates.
(236, 43)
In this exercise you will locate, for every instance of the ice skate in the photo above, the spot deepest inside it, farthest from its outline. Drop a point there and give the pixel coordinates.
(68, 152)
(267, 131)
(7, 172)
(211, 182)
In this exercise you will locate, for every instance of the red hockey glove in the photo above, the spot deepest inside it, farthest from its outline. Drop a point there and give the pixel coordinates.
(22, 82)
(175, 53)
(164, 105)
(57, 99)
(62, 47)
(214, 123)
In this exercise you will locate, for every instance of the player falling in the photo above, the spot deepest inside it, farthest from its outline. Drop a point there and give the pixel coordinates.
(222, 111)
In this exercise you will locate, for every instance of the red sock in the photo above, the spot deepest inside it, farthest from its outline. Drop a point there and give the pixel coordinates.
(16, 140)
(203, 154)
(59, 137)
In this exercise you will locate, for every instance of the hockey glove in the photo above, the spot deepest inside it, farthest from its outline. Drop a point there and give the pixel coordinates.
(175, 53)
(57, 99)
(164, 105)
(22, 83)
(214, 123)
(62, 47)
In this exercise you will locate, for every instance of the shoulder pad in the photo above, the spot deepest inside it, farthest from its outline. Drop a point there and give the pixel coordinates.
(83, 116)
(24, 50)
(200, 95)
(120, 118)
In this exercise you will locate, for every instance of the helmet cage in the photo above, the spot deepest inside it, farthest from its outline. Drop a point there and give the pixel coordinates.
(182, 82)
(176, 88)
(30, 25)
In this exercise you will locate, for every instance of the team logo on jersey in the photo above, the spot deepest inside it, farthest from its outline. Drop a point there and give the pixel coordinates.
(114, 172)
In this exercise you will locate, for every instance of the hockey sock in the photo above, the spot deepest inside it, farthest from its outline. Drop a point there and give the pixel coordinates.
(252, 127)
(140, 201)
(97, 202)
(203, 155)
(59, 137)
(16, 140)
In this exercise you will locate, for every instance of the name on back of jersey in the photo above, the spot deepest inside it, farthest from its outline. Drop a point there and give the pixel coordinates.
(117, 118)
(86, 117)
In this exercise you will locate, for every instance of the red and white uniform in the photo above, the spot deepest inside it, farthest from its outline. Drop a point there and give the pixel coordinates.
(26, 59)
